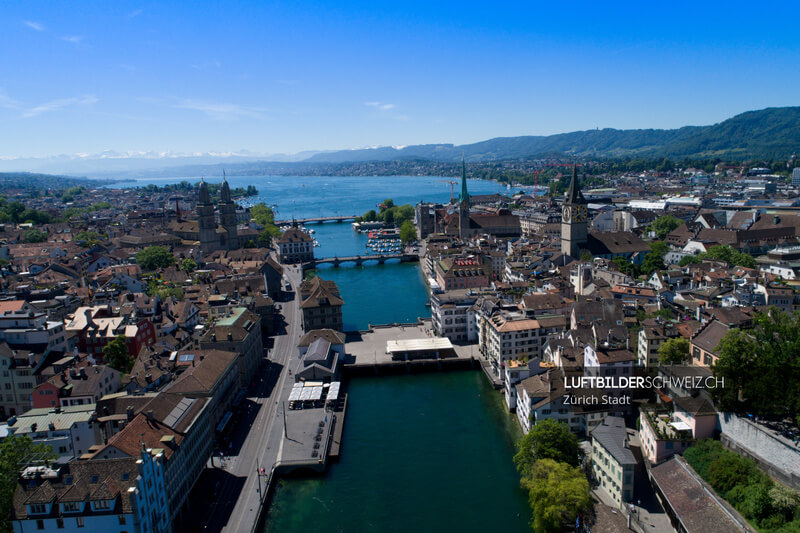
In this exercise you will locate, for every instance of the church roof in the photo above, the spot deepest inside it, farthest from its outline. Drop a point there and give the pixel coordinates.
(203, 196)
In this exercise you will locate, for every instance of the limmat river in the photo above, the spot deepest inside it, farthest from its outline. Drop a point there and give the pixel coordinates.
(420, 453)
(373, 294)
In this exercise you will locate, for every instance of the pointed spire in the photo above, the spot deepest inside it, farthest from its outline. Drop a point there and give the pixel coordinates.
(203, 196)
(225, 190)
(464, 193)
(574, 194)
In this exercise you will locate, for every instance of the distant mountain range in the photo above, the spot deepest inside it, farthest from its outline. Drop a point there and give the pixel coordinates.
(766, 134)
(772, 133)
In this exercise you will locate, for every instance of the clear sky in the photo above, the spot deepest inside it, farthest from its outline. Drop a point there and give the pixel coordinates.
(272, 77)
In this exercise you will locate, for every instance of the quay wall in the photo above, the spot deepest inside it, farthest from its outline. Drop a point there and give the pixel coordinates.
(776, 456)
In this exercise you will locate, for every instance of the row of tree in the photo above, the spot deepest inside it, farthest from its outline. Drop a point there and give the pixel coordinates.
(548, 460)
(770, 506)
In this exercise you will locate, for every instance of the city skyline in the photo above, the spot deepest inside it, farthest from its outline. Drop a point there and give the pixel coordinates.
(278, 78)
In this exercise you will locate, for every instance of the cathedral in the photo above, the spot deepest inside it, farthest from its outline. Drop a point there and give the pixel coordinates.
(205, 230)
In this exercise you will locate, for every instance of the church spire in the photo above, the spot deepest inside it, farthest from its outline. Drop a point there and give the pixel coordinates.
(464, 193)
(204, 198)
(574, 194)
(225, 190)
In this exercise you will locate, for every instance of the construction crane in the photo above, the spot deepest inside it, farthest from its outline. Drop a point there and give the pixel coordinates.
(452, 184)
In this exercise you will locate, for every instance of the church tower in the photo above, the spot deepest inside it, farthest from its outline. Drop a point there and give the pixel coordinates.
(227, 216)
(207, 226)
(574, 219)
(463, 205)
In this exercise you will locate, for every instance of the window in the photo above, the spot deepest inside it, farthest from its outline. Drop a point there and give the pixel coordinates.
(79, 521)
(38, 508)
(60, 523)
(122, 520)
(40, 524)
(102, 504)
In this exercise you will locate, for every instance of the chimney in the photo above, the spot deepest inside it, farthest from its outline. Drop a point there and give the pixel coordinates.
(82, 373)
(129, 412)
(150, 415)
(73, 373)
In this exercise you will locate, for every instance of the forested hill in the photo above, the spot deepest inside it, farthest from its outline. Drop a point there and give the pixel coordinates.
(765, 134)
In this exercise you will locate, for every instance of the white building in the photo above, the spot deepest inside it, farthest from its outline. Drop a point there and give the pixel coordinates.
(453, 316)
(71, 431)
(613, 463)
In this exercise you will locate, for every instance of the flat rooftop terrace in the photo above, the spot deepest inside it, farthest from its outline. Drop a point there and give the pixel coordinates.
(369, 348)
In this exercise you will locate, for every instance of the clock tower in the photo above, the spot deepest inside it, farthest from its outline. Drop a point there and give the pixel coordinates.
(574, 219)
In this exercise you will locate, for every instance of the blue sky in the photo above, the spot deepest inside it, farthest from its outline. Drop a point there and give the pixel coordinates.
(278, 77)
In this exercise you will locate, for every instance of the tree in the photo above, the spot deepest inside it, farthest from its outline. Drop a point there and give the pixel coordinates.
(116, 354)
(624, 265)
(547, 439)
(188, 265)
(557, 493)
(664, 224)
(154, 257)
(15, 451)
(585, 255)
(408, 233)
(674, 351)
(760, 366)
(34, 235)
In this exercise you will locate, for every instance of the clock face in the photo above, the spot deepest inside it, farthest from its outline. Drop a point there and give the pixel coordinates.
(581, 213)
(566, 213)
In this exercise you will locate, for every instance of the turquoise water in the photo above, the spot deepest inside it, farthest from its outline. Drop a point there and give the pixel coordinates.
(379, 294)
(373, 294)
(421, 453)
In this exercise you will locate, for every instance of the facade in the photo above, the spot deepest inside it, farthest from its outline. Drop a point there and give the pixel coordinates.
(613, 463)
(205, 230)
(71, 431)
(238, 332)
(94, 327)
(650, 340)
(514, 336)
(19, 375)
(115, 496)
(453, 316)
(321, 305)
(76, 386)
(574, 219)
(295, 246)
(704, 344)
(23, 327)
(463, 272)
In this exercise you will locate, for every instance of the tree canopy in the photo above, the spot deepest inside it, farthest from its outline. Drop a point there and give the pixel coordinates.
(674, 351)
(408, 233)
(116, 355)
(557, 493)
(547, 439)
(665, 224)
(16, 450)
(154, 257)
(761, 366)
(721, 252)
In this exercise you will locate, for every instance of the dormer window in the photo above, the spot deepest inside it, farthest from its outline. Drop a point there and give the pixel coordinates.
(70, 507)
(37, 508)
(102, 504)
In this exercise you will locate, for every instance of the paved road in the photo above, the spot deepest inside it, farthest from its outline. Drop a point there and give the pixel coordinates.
(261, 445)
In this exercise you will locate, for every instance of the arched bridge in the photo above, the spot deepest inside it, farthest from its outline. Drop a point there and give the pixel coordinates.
(361, 259)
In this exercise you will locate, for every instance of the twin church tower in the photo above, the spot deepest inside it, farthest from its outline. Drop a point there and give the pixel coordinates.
(212, 236)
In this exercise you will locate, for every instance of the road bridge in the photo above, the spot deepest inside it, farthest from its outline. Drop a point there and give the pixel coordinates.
(361, 259)
(317, 220)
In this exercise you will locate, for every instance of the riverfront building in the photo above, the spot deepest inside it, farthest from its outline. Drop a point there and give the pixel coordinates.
(613, 463)
(321, 305)
(295, 246)
(453, 315)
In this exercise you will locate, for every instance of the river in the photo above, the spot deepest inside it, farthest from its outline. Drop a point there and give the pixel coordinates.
(373, 294)
(422, 453)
